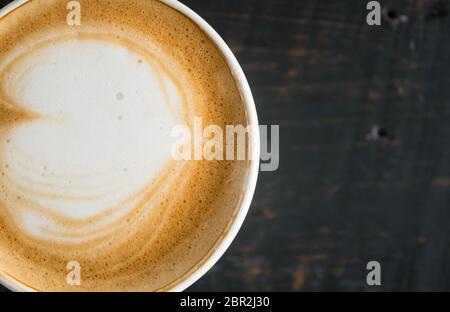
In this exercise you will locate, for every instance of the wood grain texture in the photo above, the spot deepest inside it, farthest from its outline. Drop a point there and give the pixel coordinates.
(344, 194)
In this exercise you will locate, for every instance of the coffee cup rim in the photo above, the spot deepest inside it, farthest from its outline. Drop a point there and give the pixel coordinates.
(204, 265)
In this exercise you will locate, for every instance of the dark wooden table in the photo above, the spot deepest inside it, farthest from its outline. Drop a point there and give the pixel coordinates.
(365, 155)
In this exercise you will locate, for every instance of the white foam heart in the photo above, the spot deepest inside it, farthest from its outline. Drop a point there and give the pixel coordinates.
(103, 133)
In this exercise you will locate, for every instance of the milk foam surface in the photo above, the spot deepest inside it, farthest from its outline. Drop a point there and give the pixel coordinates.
(86, 115)
(89, 149)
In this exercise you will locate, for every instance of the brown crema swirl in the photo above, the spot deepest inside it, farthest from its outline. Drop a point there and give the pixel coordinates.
(176, 221)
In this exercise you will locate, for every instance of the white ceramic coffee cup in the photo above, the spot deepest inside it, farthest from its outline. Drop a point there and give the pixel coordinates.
(207, 263)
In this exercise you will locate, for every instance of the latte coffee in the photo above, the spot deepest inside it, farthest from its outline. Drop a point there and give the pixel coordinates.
(86, 173)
